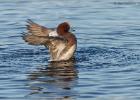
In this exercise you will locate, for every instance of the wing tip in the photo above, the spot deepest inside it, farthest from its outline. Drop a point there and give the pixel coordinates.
(29, 21)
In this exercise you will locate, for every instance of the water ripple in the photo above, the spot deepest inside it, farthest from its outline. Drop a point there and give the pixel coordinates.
(107, 56)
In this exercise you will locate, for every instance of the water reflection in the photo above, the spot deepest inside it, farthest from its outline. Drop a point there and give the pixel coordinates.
(55, 81)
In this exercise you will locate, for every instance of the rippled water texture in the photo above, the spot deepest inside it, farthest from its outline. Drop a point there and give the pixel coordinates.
(107, 65)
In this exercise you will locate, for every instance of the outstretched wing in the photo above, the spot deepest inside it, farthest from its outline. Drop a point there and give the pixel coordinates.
(35, 40)
(43, 40)
(54, 44)
(36, 29)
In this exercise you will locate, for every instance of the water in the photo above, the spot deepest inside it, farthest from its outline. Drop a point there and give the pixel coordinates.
(107, 63)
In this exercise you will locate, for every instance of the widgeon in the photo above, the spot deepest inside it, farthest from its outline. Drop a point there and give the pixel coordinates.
(60, 41)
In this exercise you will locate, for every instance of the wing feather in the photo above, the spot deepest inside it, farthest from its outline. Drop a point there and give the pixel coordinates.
(37, 29)
(43, 40)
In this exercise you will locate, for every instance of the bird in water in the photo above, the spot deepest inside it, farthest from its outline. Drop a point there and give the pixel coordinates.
(60, 41)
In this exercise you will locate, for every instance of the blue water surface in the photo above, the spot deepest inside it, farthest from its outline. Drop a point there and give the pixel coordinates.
(107, 65)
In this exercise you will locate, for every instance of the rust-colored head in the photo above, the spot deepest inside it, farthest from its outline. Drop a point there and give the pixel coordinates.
(63, 28)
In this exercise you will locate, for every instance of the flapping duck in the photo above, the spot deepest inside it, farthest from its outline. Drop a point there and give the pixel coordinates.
(60, 41)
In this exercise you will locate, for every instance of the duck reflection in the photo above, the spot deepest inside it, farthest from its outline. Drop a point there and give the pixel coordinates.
(55, 81)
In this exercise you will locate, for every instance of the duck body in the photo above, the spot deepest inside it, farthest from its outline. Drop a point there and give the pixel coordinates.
(60, 42)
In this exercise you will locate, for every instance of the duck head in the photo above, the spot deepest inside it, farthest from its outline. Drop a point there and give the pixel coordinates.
(63, 28)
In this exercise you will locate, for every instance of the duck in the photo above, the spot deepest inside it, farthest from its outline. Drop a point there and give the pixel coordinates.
(60, 41)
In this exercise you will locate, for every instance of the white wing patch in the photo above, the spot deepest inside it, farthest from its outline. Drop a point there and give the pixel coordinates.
(53, 33)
